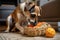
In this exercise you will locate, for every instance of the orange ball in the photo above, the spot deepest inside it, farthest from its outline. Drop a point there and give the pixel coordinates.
(50, 32)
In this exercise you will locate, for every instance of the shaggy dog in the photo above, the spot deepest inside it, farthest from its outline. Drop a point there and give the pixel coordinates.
(23, 15)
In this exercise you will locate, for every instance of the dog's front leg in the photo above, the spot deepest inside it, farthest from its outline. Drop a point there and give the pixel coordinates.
(20, 28)
(9, 23)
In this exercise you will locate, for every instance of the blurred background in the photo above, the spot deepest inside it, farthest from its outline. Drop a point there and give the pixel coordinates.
(49, 13)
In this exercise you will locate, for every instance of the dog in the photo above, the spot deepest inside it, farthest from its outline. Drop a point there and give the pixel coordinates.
(23, 14)
(34, 12)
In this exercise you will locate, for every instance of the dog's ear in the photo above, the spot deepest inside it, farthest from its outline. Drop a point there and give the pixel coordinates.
(29, 3)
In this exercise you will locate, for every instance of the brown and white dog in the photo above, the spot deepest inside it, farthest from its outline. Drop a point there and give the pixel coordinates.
(21, 16)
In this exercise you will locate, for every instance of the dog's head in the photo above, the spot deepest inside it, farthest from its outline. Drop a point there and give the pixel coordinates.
(33, 9)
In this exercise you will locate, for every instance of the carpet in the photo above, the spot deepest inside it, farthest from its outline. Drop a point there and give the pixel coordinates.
(16, 36)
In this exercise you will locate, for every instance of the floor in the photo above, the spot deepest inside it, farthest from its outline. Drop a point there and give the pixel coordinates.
(16, 36)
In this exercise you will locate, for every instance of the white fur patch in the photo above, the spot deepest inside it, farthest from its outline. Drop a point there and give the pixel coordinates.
(39, 14)
(32, 20)
(22, 6)
(36, 13)
(9, 22)
(9, 17)
(33, 13)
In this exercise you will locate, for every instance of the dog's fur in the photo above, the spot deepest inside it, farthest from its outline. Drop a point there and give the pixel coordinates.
(17, 15)
(21, 14)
